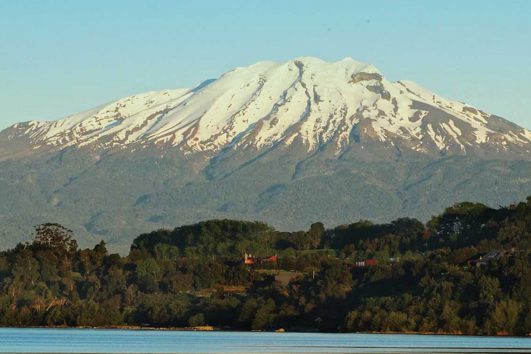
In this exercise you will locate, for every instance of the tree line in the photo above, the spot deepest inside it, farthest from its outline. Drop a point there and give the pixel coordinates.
(466, 270)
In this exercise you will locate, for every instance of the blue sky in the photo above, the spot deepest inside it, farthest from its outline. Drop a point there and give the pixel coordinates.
(62, 57)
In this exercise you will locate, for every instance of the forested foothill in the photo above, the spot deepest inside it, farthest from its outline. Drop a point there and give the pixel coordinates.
(465, 271)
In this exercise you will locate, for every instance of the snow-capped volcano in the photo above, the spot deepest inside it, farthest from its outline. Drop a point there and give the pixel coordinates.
(287, 143)
(305, 100)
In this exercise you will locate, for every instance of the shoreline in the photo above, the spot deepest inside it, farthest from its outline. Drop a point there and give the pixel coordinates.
(279, 330)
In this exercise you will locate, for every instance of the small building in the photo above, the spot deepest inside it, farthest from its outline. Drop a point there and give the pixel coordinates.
(371, 262)
(249, 259)
(366, 263)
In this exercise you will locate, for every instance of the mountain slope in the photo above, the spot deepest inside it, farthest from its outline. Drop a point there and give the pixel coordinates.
(286, 143)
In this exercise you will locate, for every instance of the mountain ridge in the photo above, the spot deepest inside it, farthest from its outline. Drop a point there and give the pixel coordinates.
(270, 103)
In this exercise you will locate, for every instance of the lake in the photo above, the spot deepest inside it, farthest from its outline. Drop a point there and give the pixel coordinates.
(43, 340)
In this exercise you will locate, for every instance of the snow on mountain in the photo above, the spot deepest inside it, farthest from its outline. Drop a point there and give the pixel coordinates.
(306, 99)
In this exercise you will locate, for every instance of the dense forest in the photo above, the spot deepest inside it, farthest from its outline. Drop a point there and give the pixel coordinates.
(465, 271)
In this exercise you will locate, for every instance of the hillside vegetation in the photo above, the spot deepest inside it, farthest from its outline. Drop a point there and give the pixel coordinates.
(465, 271)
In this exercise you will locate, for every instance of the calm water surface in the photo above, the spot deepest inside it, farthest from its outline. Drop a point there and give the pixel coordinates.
(14, 340)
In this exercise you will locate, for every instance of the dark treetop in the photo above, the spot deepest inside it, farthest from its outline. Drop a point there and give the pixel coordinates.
(465, 271)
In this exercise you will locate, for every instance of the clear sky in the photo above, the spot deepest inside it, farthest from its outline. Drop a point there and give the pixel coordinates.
(62, 57)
